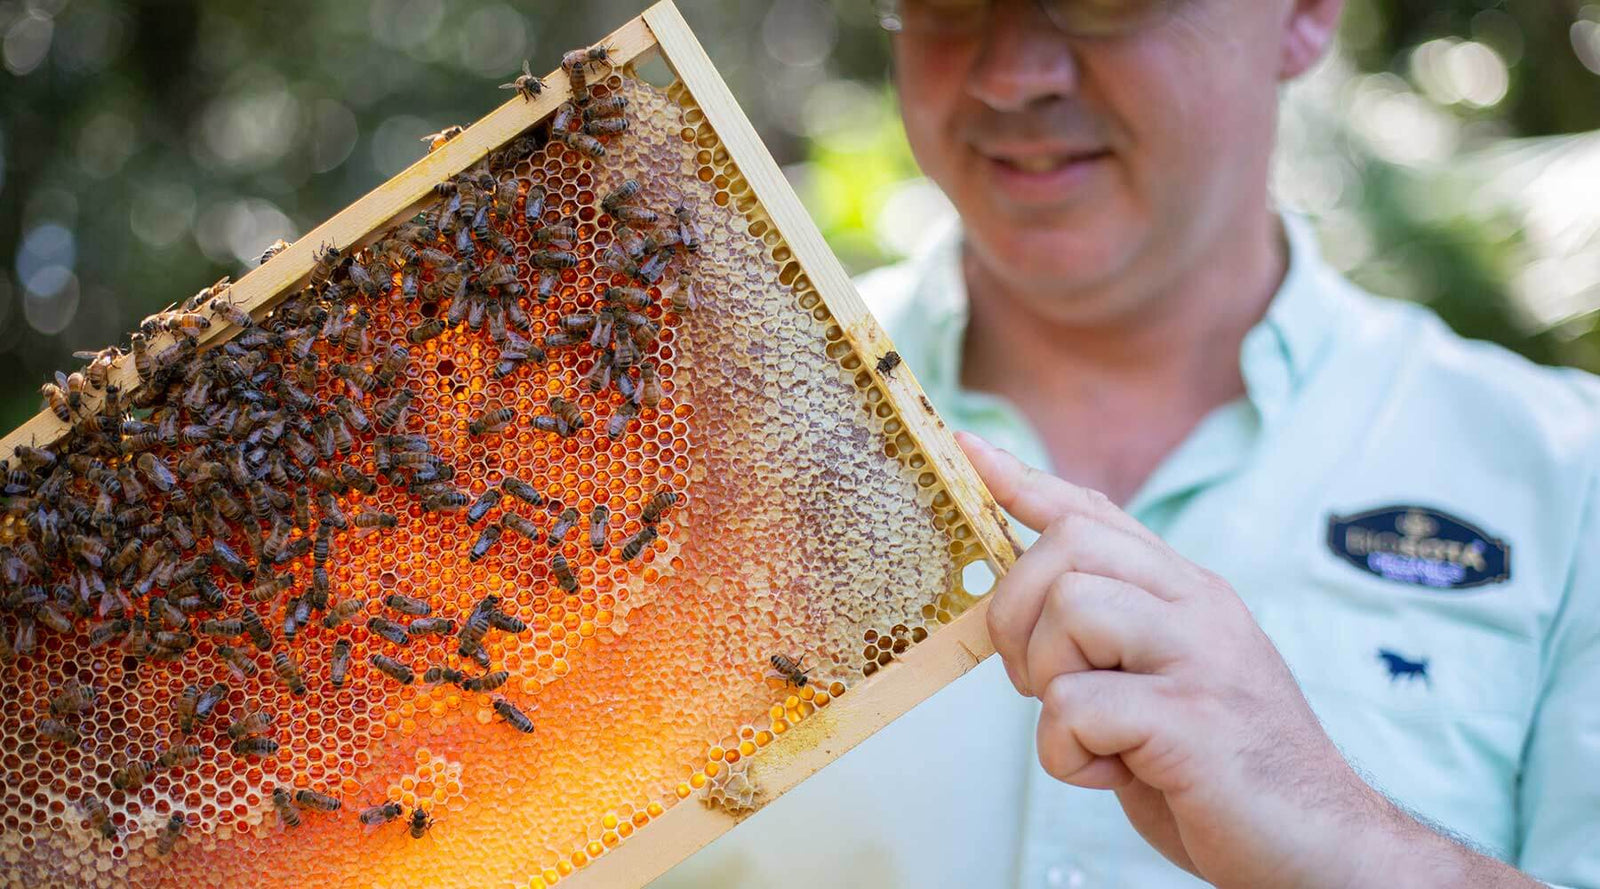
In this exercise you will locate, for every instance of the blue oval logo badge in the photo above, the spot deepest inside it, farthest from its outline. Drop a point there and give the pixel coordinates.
(1420, 546)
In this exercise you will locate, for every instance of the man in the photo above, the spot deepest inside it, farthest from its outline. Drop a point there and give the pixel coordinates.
(1311, 480)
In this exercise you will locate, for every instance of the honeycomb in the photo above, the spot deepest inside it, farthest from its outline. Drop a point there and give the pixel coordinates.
(149, 739)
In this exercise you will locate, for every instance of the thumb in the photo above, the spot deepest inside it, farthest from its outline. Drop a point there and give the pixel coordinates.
(1035, 497)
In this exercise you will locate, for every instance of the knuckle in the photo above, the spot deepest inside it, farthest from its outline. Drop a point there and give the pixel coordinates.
(1067, 592)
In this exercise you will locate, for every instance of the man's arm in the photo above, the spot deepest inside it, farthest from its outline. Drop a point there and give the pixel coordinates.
(1158, 684)
(1559, 797)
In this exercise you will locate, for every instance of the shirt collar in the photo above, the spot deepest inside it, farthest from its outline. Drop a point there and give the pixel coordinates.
(1277, 356)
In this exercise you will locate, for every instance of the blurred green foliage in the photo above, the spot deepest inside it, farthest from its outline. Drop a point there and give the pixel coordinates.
(146, 148)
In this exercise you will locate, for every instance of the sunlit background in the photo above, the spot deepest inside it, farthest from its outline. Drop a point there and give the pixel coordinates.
(1445, 153)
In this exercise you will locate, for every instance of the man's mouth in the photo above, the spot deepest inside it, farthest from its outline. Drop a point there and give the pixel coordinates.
(1039, 163)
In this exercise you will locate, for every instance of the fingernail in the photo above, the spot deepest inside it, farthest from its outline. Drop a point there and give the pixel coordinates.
(972, 441)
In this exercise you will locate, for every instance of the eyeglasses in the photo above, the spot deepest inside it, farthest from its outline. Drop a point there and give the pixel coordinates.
(1078, 18)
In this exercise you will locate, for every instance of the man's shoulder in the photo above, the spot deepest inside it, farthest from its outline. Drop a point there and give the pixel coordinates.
(1483, 380)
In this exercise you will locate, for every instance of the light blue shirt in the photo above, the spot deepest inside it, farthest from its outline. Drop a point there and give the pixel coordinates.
(1414, 520)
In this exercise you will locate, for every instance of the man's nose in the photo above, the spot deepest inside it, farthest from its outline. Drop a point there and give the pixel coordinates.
(1025, 59)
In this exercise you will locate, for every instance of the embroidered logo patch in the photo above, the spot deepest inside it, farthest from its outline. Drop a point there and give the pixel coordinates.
(1420, 546)
(1402, 668)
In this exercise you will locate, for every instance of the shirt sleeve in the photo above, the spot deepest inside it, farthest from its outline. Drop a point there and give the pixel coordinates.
(1559, 795)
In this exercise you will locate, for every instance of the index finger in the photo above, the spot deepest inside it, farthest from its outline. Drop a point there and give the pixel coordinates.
(1036, 497)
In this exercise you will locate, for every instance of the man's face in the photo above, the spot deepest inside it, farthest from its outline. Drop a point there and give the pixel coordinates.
(1081, 162)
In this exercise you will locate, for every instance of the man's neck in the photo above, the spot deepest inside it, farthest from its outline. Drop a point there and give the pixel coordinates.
(1112, 399)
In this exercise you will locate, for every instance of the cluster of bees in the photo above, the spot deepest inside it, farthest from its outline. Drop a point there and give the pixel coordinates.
(185, 507)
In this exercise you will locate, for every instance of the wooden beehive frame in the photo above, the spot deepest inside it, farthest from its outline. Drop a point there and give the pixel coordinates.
(873, 703)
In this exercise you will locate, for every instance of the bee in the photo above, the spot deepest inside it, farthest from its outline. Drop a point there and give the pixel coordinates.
(598, 376)
(339, 661)
(56, 397)
(408, 605)
(321, 802)
(254, 747)
(436, 140)
(513, 717)
(526, 85)
(688, 229)
(327, 260)
(790, 670)
(444, 501)
(143, 363)
(131, 776)
(486, 501)
(287, 813)
(372, 519)
(681, 295)
(74, 697)
(288, 672)
(610, 106)
(231, 561)
(493, 420)
(178, 756)
(584, 144)
(392, 410)
(431, 626)
(355, 376)
(561, 235)
(486, 540)
(224, 627)
(240, 663)
(250, 725)
(420, 822)
(657, 506)
(392, 668)
(563, 572)
(605, 126)
(393, 363)
(553, 259)
(626, 351)
(587, 56)
(521, 490)
(635, 216)
(649, 385)
(427, 330)
(184, 707)
(172, 831)
(388, 629)
(628, 297)
(209, 699)
(156, 471)
(255, 629)
(99, 817)
(597, 527)
(437, 675)
(373, 816)
(58, 732)
(272, 250)
(476, 626)
(568, 520)
(522, 526)
(636, 544)
(623, 193)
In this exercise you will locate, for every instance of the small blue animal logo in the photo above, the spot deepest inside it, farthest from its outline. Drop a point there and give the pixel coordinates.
(1401, 668)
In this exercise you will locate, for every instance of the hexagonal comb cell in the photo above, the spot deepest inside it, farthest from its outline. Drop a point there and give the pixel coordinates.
(548, 508)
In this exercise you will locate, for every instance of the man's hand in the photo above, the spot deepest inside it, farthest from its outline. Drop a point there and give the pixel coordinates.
(1158, 684)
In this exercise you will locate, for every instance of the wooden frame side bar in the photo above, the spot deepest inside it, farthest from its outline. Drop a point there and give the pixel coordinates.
(688, 59)
(400, 197)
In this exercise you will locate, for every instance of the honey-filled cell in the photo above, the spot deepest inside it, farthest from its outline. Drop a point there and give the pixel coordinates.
(462, 529)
